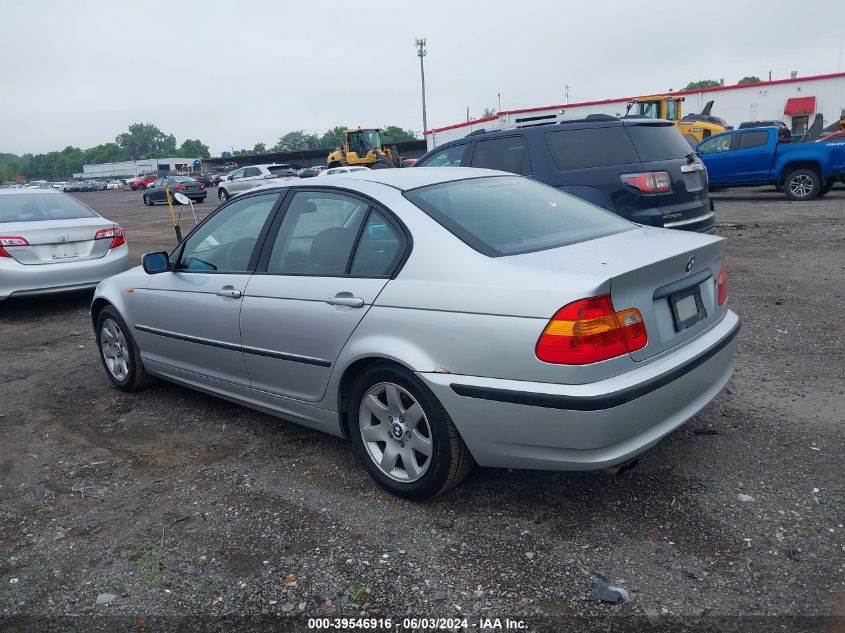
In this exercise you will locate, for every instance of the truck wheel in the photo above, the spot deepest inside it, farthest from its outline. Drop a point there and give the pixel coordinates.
(802, 184)
(382, 163)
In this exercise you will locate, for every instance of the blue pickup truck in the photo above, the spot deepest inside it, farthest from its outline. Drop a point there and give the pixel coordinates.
(753, 158)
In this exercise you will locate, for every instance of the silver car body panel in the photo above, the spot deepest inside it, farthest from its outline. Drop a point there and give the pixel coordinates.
(284, 349)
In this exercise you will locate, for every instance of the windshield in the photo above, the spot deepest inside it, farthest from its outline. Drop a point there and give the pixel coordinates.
(41, 206)
(509, 215)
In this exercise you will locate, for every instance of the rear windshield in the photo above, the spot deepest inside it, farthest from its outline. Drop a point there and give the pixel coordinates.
(182, 179)
(277, 169)
(658, 142)
(509, 215)
(34, 207)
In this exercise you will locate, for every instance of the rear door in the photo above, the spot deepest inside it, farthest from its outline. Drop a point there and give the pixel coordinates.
(324, 263)
(57, 227)
(189, 320)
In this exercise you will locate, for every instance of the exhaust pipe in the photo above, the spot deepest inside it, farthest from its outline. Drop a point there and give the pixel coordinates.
(620, 469)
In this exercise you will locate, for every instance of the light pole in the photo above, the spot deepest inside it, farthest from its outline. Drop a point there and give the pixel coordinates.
(422, 53)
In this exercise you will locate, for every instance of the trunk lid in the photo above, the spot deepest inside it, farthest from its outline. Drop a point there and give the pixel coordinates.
(58, 241)
(647, 269)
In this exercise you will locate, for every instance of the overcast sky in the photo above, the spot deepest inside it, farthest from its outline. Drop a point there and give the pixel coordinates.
(234, 73)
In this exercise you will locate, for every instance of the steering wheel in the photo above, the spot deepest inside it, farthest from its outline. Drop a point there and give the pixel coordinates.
(238, 253)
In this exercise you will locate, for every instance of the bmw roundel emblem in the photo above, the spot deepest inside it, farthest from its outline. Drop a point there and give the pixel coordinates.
(397, 431)
(690, 263)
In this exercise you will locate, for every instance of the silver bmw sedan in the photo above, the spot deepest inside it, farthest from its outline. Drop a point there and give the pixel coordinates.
(437, 318)
(51, 242)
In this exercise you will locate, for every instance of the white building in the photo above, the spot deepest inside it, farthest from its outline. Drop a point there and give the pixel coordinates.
(132, 168)
(795, 101)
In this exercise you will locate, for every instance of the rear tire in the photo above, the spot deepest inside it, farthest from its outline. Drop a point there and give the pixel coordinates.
(147, 200)
(119, 353)
(802, 184)
(399, 415)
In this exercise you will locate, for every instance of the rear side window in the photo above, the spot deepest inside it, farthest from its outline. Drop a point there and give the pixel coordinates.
(591, 147)
(449, 157)
(36, 207)
(507, 154)
(658, 142)
(378, 249)
(748, 140)
(509, 215)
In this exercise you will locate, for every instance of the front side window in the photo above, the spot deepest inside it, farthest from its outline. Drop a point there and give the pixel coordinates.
(671, 109)
(317, 234)
(507, 154)
(507, 215)
(715, 145)
(224, 243)
(649, 109)
(237, 174)
(449, 157)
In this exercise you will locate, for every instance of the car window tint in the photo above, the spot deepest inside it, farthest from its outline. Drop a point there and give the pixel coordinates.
(378, 249)
(508, 215)
(715, 145)
(26, 207)
(658, 142)
(748, 140)
(506, 154)
(317, 234)
(449, 157)
(593, 147)
(237, 174)
(224, 243)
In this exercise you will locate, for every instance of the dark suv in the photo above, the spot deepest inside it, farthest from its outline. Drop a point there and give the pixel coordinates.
(641, 169)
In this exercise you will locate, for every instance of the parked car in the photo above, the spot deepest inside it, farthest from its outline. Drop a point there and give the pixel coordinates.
(784, 133)
(59, 185)
(253, 176)
(310, 172)
(437, 318)
(196, 191)
(114, 184)
(50, 242)
(641, 169)
(205, 179)
(754, 157)
(331, 171)
(218, 178)
(833, 137)
(142, 182)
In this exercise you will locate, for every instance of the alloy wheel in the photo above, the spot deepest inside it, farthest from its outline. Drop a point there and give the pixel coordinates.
(801, 185)
(115, 350)
(397, 435)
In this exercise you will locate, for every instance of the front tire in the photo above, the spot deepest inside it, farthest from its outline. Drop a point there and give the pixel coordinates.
(147, 200)
(119, 353)
(802, 184)
(223, 195)
(403, 435)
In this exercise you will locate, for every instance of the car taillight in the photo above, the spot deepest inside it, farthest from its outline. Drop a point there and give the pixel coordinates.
(722, 285)
(202, 186)
(180, 187)
(649, 182)
(10, 240)
(589, 331)
(115, 234)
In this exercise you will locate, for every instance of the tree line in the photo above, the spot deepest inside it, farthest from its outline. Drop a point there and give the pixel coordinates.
(145, 140)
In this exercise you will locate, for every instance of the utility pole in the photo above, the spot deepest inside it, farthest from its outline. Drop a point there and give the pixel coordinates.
(500, 101)
(421, 52)
(770, 75)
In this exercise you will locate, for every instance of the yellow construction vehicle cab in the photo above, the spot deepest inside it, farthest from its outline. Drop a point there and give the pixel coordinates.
(362, 146)
(694, 127)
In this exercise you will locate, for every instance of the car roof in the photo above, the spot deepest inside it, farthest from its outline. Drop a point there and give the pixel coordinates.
(411, 177)
(27, 192)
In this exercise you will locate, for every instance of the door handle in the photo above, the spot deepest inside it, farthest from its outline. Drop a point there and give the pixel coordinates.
(229, 291)
(346, 299)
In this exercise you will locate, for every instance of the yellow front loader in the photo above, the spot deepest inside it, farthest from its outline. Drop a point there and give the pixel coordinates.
(694, 127)
(362, 146)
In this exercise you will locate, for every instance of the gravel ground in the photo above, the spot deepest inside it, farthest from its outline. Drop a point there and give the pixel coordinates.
(132, 510)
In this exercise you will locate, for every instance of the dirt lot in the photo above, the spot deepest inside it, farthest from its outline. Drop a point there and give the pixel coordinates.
(177, 503)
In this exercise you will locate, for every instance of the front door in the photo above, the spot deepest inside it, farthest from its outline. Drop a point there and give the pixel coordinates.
(717, 156)
(190, 318)
(326, 260)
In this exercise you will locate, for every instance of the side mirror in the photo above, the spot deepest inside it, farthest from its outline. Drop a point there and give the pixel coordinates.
(154, 263)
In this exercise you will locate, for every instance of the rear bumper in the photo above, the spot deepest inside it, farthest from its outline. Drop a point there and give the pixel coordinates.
(41, 279)
(518, 424)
